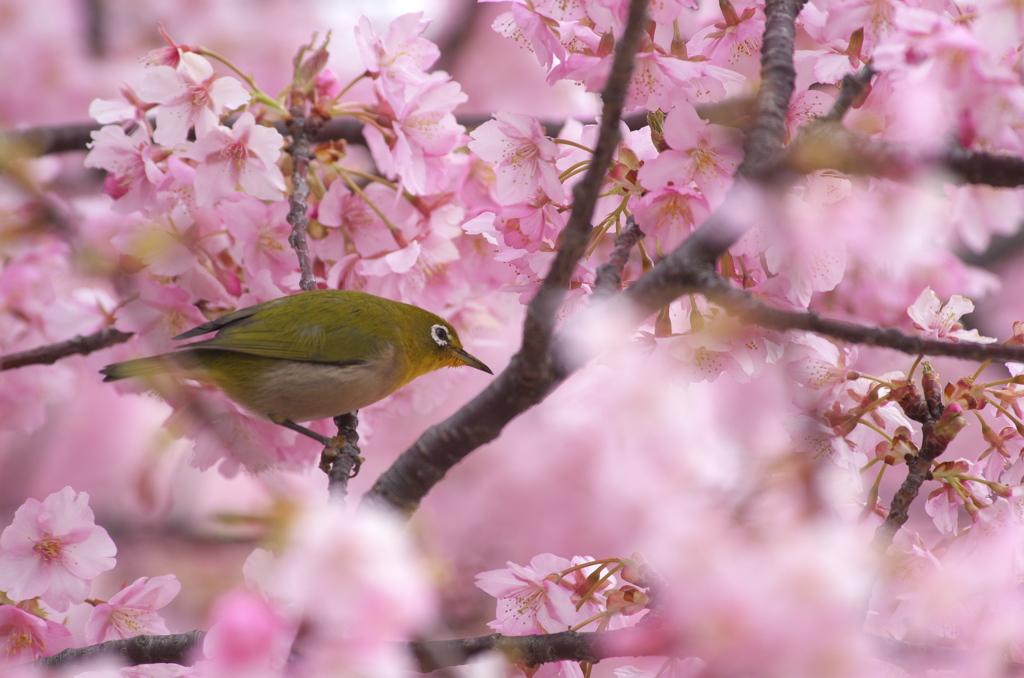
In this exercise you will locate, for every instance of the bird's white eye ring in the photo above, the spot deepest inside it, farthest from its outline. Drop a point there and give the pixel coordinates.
(440, 335)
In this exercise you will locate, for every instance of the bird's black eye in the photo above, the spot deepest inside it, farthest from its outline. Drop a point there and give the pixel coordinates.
(440, 335)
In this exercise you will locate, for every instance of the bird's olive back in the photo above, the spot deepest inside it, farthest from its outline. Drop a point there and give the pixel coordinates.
(336, 326)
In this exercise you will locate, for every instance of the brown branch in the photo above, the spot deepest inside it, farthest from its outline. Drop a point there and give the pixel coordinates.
(530, 650)
(761, 167)
(840, 149)
(543, 308)
(302, 130)
(852, 88)
(823, 144)
(77, 345)
(531, 374)
(767, 135)
(1000, 171)
(608, 279)
(751, 309)
(939, 426)
(918, 471)
(172, 649)
(592, 647)
(342, 464)
(47, 140)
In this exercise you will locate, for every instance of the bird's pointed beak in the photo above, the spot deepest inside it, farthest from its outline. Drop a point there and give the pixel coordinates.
(472, 362)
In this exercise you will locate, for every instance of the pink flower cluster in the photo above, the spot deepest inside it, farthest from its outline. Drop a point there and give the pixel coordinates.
(49, 557)
(343, 592)
(554, 594)
(206, 230)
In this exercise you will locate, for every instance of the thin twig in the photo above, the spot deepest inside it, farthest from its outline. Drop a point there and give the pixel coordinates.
(341, 464)
(77, 345)
(302, 130)
(851, 90)
(751, 309)
(608, 279)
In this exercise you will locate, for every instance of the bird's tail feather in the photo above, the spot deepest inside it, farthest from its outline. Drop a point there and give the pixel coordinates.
(143, 367)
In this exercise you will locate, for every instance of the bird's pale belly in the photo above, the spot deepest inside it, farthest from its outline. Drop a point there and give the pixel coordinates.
(303, 391)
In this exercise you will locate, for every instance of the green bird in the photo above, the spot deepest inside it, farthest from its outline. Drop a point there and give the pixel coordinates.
(312, 355)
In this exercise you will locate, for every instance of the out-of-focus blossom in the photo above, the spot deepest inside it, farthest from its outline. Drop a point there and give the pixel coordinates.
(132, 165)
(402, 55)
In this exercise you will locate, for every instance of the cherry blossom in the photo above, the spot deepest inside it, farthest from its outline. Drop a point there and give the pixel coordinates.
(536, 599)
(819, 364)
(53, 550)
(534, 31)
(670, 213)
(244, 155)
(700, 152)
(939, 320)
(29, 637)
(423, 131)
(734, 42)
(261, 235)
(132, 163)
(401, 55)
(189, 96)
(132, 610)
(523, 156)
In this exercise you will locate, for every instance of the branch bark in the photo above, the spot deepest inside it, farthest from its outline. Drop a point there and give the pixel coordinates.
(176, 648)
(77, 345)
(302, 130)
(752, 310)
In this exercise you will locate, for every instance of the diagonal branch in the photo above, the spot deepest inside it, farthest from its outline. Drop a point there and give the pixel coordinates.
(767, 135)
(531, 374)
(761, 167)
(538, 368)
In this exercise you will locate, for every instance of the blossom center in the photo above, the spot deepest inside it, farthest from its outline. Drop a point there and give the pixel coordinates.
(50, 549)
(21, 642)
(199, 97)
(235, 153)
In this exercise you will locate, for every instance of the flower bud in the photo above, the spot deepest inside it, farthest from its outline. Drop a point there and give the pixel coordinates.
(627, 600)
(949, 424)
